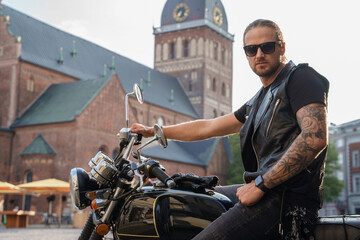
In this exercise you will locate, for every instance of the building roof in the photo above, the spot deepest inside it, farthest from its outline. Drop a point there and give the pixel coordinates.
(39, 146)
(200, 13)
(61, 102)
(197, 153)
(81, 59)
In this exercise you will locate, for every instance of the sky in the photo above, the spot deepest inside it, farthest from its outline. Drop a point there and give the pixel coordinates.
(316, 32)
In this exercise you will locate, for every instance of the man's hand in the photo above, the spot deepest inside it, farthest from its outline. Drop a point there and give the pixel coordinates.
(141, 129)
(249, 194)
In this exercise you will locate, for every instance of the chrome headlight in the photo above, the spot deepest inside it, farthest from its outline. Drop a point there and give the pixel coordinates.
(103, 169)
(80, 184)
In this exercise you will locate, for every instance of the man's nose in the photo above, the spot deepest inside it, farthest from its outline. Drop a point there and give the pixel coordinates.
(259, 53)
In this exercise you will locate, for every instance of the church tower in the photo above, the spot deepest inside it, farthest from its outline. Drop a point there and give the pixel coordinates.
(193, 44)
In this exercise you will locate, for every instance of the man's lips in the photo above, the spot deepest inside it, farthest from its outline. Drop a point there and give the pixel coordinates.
(260, 63)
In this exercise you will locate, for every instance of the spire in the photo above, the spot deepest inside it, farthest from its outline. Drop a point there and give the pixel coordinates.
(61, 58)
(105, 72)
(172, 100)
(73, 52)
(141, 84)
(148, 80)
(112, 67)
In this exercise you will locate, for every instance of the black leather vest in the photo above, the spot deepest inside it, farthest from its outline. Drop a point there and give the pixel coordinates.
(268, 132)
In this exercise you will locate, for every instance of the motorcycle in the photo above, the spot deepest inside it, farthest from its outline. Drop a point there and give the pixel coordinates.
(122, 202)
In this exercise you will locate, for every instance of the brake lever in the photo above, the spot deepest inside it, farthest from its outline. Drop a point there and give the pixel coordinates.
(136, 172)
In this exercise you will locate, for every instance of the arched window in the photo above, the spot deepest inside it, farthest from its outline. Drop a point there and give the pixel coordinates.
(186, 48)
(215, 51)
(154, 120)
(214, 85)
(223, 56)
(104, 149)
(223, 89)
(27, 200)
(161, 121)
(30, 84)
(172, 51)
(215, 113)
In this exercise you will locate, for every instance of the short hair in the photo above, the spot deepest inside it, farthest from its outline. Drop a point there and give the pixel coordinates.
(264, 23)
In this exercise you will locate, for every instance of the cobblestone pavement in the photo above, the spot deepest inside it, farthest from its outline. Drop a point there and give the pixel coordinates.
(39, 233)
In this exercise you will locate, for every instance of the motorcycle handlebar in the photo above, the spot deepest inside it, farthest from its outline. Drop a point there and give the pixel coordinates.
(162, 176)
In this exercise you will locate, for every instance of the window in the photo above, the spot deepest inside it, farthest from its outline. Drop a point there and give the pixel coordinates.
(161, 121)
(172, 51)
(214, 85)
(190, 86)
(30, 84)
(223, 56)
(223, 89)
(340, 143)
(216, 51)
(27, 202)
(355, 159)
(356, 183)
(154, 120)
(215, 113)
(194, 75)
(104, 149)
(186, 48)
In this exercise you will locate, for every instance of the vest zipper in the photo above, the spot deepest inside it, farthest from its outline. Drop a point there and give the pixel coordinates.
(253, 147)
(272, 116)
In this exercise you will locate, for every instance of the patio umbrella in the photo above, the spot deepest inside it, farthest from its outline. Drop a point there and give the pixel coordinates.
(8, 188)
(48, 187)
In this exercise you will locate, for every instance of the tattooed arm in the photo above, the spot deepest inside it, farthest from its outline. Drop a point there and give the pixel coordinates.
(311, 141)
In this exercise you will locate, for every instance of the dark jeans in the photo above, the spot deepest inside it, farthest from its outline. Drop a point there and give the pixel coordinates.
(260, 221)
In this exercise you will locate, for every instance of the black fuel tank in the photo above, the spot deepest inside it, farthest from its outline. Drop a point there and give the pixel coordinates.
(168, 214)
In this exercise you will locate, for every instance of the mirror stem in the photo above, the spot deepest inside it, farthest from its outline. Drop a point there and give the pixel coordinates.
(126, 109)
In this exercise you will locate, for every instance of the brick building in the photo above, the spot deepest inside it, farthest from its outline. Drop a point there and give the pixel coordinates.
(346, 137)
(62, 97)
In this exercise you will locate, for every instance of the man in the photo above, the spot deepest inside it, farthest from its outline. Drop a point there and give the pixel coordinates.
(283, 132)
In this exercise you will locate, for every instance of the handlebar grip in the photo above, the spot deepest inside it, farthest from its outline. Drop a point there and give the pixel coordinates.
(162, 176)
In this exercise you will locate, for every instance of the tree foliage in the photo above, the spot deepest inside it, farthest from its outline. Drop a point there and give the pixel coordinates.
(332, 185)
(236, 169)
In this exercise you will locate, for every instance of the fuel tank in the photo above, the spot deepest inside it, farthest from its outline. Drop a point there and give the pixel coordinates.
(168, 214)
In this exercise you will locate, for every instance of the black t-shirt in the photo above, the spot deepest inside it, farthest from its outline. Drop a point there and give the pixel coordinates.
(304, 87)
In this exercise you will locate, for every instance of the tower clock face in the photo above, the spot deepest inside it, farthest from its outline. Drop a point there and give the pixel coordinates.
(217, 16)
(181, 12)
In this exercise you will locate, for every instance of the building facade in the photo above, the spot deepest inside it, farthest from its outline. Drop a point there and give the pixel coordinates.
(346, 138)
(62, 99)
(193, 44)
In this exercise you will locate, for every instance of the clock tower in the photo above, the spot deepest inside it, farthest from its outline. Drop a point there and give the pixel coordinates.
(193, 44)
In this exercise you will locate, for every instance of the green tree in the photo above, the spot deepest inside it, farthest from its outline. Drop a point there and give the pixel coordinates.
(332, 185)
(236, 169)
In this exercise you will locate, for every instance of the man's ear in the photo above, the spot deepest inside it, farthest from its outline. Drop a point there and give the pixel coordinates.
(283, 48)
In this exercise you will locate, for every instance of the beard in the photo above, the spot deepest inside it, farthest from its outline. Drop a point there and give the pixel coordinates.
(267, 70)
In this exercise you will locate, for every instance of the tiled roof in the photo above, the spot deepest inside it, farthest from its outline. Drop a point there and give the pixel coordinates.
(41, 45)
(39, 146)
(61, 102)
(197, 153)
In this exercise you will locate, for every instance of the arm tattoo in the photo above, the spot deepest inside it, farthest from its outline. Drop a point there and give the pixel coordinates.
(306, 147)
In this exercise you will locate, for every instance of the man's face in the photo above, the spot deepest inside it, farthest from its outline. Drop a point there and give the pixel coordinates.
(264, 65)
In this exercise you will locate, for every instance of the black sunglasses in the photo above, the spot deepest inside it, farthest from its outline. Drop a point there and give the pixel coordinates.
(266, 48)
